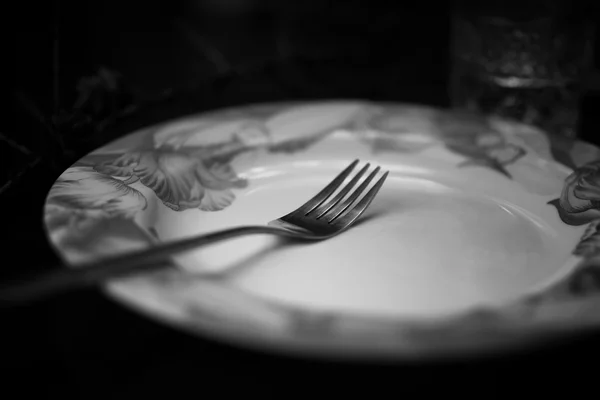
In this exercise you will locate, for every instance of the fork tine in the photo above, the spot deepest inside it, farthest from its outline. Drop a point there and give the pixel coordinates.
(348, 202)
(328, 190)
(322, 210)
(363, 204)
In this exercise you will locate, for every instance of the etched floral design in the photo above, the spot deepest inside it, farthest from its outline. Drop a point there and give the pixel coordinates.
(196, 133)
(579, 202)
(589, 245)
(181, 181)
(102, 187)
(474, 137)
(81, 197)
(470, 135)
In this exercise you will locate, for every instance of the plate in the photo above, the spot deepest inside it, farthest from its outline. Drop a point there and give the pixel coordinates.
(483, 237)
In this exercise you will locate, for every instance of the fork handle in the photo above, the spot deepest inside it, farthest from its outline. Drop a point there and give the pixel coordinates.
(88, 274)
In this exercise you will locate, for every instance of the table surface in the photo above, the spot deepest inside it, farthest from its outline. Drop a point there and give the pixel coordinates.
(84, 345)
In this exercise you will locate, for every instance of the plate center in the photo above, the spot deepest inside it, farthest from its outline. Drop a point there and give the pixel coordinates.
(422, 249)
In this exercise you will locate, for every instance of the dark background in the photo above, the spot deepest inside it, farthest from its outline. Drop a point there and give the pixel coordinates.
(178, 57)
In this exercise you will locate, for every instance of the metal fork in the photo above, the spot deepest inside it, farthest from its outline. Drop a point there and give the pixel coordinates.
(327, 214)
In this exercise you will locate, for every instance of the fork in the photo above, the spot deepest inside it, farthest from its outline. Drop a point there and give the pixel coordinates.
(327, 214)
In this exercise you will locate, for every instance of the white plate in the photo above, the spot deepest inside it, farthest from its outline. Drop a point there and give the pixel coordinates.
(474, 242)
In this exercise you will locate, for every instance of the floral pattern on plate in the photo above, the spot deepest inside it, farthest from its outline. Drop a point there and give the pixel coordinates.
(470, 135)
(579, 202)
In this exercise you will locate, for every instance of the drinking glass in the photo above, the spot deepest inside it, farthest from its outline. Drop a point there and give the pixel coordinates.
(527, 60)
